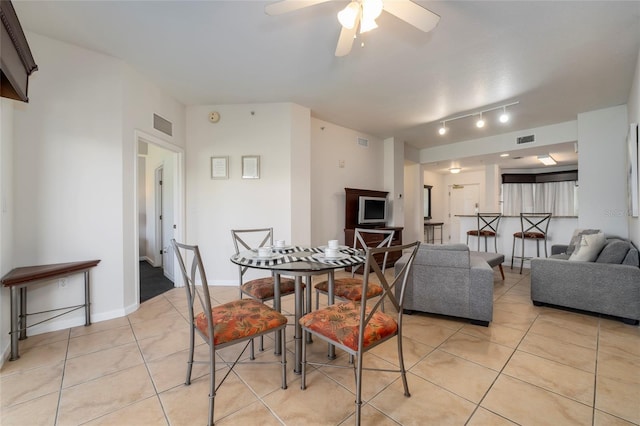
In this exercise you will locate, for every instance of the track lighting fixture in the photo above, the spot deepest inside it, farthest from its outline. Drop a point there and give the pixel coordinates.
(480, 123)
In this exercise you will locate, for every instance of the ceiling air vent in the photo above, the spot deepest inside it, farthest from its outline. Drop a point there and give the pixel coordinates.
(165, 126)
(525, 139)
(363, 142)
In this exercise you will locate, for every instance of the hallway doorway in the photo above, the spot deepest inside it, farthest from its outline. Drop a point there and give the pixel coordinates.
(159, 207)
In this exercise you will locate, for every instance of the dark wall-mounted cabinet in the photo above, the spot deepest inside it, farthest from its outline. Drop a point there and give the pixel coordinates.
(16, 60)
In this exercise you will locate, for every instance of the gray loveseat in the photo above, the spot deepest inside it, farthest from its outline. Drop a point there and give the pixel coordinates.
(609, 285)
(448, 280)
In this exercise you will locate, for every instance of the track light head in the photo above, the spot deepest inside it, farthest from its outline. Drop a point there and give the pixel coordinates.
(442, 130)
(480, 122)
(504, 117)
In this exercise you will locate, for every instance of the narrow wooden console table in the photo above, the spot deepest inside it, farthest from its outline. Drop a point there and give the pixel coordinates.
(19, 279)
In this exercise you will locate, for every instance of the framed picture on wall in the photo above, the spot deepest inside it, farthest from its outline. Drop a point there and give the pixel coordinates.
(632, 171)
(220, 167)
(250, 167)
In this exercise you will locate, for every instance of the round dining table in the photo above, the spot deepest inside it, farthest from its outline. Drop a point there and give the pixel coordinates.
(299, 262)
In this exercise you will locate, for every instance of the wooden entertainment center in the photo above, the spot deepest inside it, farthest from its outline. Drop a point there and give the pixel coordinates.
(351, 221)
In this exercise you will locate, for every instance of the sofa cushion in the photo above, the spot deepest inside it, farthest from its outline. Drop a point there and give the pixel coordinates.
(589, 247)
(614, 252)
(577, 235)
(632, 258)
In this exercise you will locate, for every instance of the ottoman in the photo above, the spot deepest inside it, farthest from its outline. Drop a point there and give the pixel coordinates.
(493, 259)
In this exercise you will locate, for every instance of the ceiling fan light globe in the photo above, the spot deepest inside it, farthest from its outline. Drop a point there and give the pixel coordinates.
(347, 16)
(367, 25)
(371, 9)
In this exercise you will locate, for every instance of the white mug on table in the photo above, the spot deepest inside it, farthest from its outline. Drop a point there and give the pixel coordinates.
(331, 252)
(334, 244)
(264, 251)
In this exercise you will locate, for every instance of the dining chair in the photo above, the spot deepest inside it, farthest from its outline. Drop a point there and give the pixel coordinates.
(351, 288)
(358, 326)
(223, 325)
(533, 226)
(262, 289)
(487, 227)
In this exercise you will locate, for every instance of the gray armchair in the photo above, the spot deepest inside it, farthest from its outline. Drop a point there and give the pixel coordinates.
(447, 280)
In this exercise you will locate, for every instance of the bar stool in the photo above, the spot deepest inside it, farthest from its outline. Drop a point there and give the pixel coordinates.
(534, 226)
(487, 227)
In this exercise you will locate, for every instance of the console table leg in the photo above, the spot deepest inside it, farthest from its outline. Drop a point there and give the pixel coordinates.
(22, 317)
(15, 320)
(87, 298)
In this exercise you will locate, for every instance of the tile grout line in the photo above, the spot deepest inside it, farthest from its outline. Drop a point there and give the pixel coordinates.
(64, 368)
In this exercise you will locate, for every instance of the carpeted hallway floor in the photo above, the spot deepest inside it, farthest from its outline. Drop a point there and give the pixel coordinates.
(152, 281)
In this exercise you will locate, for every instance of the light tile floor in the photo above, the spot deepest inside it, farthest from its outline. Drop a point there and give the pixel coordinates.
(531, 366)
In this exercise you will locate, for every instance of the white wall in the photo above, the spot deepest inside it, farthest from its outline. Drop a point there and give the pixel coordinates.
(74, 175)
(363, 169)
(602, 196)
(6, 218)
(413, 203)
(301, 173)
(68, 176)
(633, 110)
(214, 207)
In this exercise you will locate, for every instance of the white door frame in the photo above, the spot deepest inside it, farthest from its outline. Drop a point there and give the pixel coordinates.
(178, 201)
(159, 248)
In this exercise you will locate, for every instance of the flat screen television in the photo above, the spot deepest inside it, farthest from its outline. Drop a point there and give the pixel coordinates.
(372, 210)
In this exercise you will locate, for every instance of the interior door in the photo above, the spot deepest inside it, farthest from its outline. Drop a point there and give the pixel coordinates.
(463, 200)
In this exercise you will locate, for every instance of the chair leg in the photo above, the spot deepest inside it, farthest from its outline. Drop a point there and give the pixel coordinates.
(303, 372)
(403, 371)
(495, 242)
(522, 256)
(513, 251)
(283, 341)
(317, 299)
(358, 387)
(212, 383)
(190, 359)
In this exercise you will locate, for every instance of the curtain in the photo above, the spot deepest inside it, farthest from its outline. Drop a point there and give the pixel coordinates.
(558, 198)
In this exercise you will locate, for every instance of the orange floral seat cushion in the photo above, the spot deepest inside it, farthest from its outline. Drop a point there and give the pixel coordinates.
(350, 288)
(340, 323)
(239, 319)
(262, 288)
(533, 235)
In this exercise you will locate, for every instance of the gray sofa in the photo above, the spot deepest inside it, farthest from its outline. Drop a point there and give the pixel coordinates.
(448, 280)
(609, 285)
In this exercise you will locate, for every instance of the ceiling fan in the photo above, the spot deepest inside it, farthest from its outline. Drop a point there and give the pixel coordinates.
(362, 14)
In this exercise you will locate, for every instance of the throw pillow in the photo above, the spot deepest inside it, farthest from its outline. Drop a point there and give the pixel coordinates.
(614, 252)
(589, 247)
(577, 235)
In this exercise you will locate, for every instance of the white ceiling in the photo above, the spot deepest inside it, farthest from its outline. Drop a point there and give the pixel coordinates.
(557, 59)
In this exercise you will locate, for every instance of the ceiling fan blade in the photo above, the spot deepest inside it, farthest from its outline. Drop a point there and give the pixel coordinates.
(285, 6)
(413, 14)
(345, 42)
